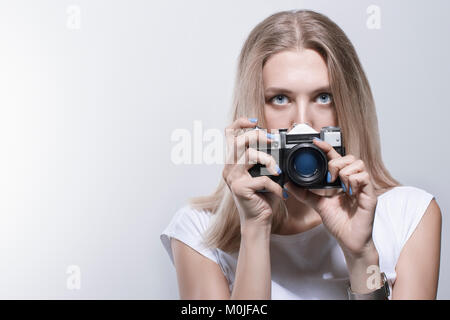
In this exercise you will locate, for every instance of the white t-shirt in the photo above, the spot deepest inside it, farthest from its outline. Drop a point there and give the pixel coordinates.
(311, 264)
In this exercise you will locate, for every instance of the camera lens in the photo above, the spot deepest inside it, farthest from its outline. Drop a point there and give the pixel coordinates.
(306, 164)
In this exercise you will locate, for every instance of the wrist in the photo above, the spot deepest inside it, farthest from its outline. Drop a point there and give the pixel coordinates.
(255, 232)
(364, 270)
(368, 255)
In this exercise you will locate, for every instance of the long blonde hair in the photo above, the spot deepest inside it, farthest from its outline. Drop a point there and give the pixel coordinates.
(353, 100)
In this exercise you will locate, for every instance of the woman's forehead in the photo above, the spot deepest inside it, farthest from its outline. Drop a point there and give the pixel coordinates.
(294, 70)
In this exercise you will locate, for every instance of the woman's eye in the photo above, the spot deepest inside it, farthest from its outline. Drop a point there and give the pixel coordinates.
(278, 100)
(324, 98)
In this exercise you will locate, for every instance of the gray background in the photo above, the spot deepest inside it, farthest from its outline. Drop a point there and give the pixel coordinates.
(86, 116)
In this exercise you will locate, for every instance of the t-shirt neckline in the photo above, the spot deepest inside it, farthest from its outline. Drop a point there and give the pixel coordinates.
(297, 236)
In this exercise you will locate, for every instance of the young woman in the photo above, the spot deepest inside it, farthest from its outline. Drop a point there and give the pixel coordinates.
(370, 239)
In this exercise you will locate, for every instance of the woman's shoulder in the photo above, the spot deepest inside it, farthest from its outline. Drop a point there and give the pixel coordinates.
(401, 192)
(188, 217)
(405, 196)
(400, 210)
(403, 201)
(188, 225)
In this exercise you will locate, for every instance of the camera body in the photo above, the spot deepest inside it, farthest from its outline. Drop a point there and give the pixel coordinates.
(300, 161)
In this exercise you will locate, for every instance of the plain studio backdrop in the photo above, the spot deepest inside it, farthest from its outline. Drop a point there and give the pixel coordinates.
(91, 92)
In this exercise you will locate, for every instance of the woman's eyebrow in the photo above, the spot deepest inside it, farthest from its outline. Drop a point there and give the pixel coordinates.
(284, 90)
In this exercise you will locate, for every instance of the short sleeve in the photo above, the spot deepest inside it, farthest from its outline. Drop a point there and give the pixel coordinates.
(397, 216)
(413, 203)
(189, 225)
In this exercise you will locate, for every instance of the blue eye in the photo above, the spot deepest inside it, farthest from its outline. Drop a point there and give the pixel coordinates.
(324, 98)
(277, 99)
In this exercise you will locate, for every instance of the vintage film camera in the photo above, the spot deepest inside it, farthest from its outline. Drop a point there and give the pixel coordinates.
(299, 159)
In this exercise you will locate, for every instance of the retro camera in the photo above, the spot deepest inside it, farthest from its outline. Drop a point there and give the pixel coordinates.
(299, 159)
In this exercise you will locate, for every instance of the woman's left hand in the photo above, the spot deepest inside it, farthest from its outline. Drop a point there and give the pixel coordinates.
(348, 215)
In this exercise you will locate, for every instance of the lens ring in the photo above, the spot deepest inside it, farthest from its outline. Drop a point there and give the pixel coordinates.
(315, 160)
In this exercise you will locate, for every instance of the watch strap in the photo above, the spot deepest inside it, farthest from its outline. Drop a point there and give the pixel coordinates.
(379, 294)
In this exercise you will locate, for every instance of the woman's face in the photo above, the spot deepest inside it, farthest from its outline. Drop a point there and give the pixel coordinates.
(297, 90)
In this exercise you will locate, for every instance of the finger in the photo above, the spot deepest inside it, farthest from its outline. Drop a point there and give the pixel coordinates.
(240, 123)
(347, 171)
(231, 132)
(327, 148)
(265, 182)
(253, 156)
(253, 139)
(335, 165)
(304, 196)
(360, 183)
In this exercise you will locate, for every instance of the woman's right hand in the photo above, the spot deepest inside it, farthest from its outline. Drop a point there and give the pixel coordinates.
(255, 208)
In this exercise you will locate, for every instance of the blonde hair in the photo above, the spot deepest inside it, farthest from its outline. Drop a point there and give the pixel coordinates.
(353, 100)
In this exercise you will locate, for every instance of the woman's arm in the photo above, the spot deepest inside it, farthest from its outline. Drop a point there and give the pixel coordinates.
(200, 278)
(418, 265)
(253, 273)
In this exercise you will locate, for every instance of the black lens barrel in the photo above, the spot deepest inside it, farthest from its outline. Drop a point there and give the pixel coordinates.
(302, 180)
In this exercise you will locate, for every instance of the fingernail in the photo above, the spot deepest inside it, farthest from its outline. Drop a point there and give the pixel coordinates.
(317, 139)
(278, 169)
(343, 186)
(254, 120)
(328, 177)
(270, 136)
(285, 194)
(350, 190)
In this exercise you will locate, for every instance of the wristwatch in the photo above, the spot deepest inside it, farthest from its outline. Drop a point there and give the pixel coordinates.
(379, 294)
